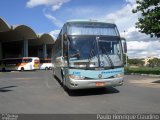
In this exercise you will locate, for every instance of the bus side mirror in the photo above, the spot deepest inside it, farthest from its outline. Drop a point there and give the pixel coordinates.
(65, 36)
(124, 45)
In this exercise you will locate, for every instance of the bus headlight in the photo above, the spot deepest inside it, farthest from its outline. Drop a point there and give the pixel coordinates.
(76, 77)
(119, 75)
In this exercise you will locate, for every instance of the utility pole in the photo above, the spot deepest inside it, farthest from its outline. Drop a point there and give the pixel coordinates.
(126, 52)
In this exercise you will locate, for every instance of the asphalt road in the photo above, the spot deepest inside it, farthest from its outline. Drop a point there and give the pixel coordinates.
(39, 92)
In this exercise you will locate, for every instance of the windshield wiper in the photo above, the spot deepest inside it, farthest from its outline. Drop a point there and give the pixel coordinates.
(110, 61)
(91, 54)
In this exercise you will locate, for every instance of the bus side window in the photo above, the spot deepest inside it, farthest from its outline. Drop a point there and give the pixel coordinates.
(29, 60)
(65, 49)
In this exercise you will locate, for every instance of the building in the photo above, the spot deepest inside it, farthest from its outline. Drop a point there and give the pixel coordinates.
(22, 41)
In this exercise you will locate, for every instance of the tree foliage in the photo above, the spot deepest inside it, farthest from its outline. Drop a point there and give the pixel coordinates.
(154, 62)
(149, 23)
(137, 62)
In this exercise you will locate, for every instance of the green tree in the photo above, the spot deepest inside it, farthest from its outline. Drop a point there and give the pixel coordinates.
(149, 23)
(137, 62)
(154, 62)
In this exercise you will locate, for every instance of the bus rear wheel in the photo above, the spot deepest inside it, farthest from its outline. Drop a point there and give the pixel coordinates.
(46, 68)
(22, 68)
(50, 68)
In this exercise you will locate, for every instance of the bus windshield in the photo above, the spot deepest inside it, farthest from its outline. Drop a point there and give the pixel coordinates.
(92, 51)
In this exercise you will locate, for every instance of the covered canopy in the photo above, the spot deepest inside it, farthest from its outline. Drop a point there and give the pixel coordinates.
(3, 26)
(22, 32)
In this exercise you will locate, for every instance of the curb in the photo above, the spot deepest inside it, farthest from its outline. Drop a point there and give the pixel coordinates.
(150, 75)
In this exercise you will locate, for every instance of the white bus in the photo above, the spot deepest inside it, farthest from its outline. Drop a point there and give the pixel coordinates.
(88, 54)
(20, 64)
(45, 64)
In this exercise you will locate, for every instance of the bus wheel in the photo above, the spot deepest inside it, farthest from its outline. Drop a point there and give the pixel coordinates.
(22, 68)
(46, 68)
(50, 68)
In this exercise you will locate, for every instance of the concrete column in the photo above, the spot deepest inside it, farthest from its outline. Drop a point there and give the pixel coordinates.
(25, 48)
(44, 51)
(0, 50)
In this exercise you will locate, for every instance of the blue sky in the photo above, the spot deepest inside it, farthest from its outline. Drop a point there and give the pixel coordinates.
(48, 16)
(17, 12)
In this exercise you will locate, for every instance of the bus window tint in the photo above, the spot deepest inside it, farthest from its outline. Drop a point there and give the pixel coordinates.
(36, 61)
(27, 60)
(45, 61)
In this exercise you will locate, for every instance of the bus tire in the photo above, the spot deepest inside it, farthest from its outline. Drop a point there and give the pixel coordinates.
(50, 68)
(22, 68)
(46, 68)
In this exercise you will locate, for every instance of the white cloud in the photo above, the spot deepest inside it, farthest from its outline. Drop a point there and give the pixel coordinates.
(139, 44)
(56, 7)
(54, 33)
(143, 49)
(133, 34)
(133, 2)
(53, 19)
(56, 4)
(124, 18)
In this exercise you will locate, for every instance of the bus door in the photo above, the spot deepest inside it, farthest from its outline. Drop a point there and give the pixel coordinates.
(36, 63)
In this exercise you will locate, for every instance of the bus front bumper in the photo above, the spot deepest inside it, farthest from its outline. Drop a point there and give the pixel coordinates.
(96, 83)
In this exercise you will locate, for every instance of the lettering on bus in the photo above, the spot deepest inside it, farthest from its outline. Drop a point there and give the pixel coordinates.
(76, 73)
(106, 72)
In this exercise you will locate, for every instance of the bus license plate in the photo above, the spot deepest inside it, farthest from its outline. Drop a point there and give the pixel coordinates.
(100, 83)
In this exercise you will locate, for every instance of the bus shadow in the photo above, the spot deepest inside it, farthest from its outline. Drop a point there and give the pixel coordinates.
(5, 71)
(93, 91)
(7, 89)
(58, 80)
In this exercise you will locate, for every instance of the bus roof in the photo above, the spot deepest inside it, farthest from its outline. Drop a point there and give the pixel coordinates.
(90, 21)
(19, 58)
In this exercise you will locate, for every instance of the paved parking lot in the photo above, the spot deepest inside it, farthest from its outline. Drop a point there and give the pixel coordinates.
(39, 92)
